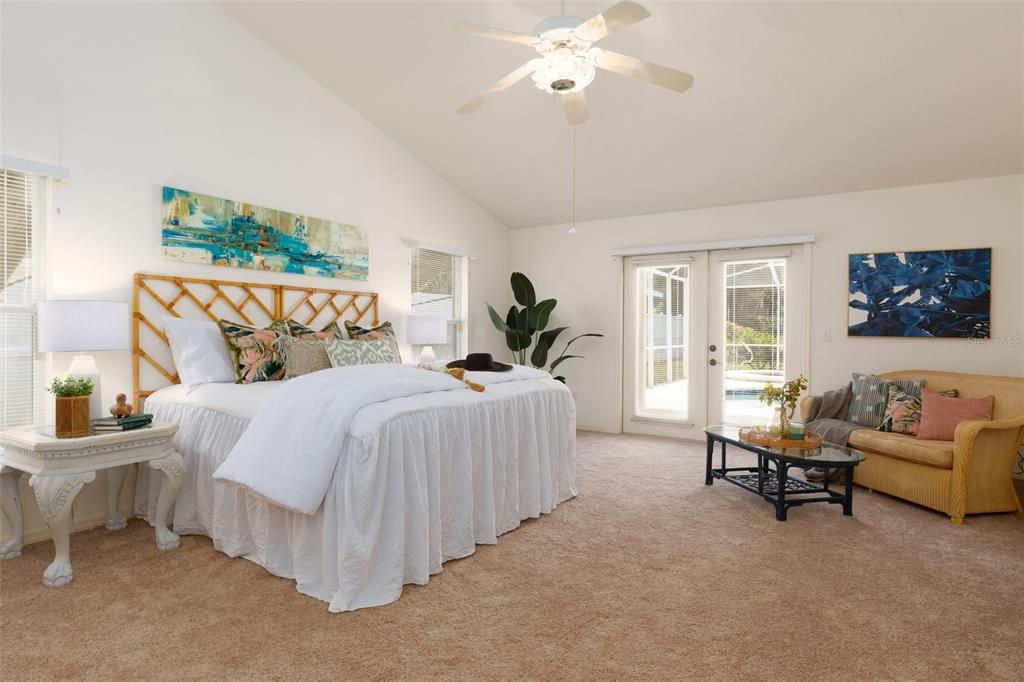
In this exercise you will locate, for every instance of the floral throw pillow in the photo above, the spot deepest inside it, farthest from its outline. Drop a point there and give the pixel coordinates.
(257, 353)
(348, 352)
(383, 331)
(301, 331)
(903, 413)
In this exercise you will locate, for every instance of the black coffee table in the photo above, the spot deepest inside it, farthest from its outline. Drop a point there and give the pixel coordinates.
(770, 478)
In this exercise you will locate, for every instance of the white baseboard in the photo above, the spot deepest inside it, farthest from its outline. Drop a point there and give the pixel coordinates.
(42, 533)
(597, 429)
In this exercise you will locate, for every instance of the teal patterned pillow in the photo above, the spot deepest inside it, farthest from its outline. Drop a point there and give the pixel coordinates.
(379, 352)
(871, 397)
(348, 352)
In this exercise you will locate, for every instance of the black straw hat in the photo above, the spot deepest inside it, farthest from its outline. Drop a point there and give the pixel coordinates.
(480, 362)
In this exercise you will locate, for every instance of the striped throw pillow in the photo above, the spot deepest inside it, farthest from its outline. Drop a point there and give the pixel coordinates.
(871, 397)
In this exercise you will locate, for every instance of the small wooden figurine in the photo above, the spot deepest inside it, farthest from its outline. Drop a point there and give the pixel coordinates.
(123, 408)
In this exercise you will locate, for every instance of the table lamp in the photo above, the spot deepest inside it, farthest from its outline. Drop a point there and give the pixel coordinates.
(82, 327)
(427, 331)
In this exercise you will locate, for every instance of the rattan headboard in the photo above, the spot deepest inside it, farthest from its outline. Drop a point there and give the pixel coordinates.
(256, 303)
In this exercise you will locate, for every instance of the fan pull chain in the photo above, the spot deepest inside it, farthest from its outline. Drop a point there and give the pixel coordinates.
(572, 176)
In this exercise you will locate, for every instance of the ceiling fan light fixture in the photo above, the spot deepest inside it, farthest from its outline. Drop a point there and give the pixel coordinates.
(563, 73)
(568, 60)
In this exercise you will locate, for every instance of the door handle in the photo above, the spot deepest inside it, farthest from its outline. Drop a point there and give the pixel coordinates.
(712, 362)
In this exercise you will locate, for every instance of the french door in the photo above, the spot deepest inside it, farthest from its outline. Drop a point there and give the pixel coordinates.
(705, 332)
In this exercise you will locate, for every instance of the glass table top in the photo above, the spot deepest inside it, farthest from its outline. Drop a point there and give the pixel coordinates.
(49, 432)
(836, 454)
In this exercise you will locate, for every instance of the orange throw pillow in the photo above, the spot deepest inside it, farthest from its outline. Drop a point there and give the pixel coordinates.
(940, 414)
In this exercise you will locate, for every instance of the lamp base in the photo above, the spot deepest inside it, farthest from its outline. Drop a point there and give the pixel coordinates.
(427, 355)
(84, 367)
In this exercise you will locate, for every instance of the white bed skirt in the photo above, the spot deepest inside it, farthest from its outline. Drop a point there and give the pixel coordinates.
(428, 485)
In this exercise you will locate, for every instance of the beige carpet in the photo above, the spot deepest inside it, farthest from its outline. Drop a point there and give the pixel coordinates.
(647, 574)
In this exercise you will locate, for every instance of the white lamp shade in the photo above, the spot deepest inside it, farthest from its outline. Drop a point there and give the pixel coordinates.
(83, 326)
(427, 330)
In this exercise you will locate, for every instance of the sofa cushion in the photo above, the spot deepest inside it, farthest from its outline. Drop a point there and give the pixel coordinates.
(936, 453)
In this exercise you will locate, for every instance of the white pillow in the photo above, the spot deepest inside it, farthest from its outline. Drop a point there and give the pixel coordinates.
(199, 352)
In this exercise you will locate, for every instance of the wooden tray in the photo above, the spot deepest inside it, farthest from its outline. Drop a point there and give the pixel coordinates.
(765, 438)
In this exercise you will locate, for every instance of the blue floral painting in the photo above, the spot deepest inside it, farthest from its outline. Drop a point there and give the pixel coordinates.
(944, 294)
(208, 230)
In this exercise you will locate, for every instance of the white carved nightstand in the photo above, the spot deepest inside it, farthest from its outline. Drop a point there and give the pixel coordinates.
(61, 466)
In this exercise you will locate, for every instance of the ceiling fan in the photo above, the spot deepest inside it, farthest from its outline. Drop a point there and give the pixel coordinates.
(568, 60)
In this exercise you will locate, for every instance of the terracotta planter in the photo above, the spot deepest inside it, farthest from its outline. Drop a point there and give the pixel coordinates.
(72, 417)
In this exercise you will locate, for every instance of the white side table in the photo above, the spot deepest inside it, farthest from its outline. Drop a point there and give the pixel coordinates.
(61, 466)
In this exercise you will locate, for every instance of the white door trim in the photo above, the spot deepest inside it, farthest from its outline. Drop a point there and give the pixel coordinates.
(712, 246)
(703, 268)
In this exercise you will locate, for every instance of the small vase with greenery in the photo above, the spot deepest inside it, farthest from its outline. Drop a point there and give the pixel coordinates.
(72, 395)
(525, 327)
(784, 398)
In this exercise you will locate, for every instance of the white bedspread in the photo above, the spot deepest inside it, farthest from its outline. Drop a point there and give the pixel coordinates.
(291, 448)
(442, 472)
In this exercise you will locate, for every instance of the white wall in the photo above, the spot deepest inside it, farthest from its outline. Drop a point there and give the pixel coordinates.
(131, 97)
(580, 273)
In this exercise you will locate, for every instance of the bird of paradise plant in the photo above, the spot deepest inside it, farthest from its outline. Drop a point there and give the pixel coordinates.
(527, 326)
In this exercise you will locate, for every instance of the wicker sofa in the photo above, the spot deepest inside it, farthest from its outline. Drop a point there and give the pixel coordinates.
(973, 474)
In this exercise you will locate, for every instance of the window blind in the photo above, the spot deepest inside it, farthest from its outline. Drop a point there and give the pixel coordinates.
(23, 243)
(438, 289)
(755, 316)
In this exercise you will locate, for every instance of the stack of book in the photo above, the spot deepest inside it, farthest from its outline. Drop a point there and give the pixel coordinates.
(108, 424)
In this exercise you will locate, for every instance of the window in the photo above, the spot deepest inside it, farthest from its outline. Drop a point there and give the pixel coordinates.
(755, 293)
(439, 289)
(22, 245)
(666, 323)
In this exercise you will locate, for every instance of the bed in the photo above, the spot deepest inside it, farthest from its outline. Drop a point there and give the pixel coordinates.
(419, 480)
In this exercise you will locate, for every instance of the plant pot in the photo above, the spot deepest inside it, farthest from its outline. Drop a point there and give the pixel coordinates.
(72, 417)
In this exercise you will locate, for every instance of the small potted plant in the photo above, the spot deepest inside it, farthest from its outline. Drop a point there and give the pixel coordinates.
(72, 395)
(785, 399)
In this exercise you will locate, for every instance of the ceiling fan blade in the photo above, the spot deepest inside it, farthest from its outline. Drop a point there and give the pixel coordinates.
(505, 83)
(614, 18)
(495, 33)
(576, 108)
(641, 70)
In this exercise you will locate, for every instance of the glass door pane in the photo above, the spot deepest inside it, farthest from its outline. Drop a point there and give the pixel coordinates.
(664, 380)
(754, 333)
(665, 325)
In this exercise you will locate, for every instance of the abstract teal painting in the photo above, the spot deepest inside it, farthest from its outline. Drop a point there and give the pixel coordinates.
(207, 230)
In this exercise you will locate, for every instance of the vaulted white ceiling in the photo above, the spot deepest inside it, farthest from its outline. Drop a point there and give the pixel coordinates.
(790, 99)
